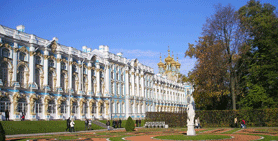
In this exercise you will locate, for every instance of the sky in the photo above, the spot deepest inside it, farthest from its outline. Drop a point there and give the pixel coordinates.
(141, 29)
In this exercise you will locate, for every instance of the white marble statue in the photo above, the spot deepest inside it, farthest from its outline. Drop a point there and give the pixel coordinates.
(190, 117)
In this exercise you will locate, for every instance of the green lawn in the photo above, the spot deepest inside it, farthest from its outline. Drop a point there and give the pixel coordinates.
(28, 127)
(197, 137)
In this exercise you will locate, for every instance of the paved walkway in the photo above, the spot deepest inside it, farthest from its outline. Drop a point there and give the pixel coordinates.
(56, 133)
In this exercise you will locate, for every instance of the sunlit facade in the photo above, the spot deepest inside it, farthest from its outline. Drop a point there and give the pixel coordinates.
(44, 79)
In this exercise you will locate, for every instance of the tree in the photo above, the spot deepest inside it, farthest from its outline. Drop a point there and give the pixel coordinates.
(129, 125)
(259, 79)
(216, 53)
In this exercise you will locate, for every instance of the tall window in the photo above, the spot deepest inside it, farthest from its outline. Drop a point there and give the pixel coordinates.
(4, 73)
(73, 82)
(51, 63)
(63, 66)
(74, 68)
(38, 106)
(22, 106)
(64, 107)
(37, 77)
(117, 76)
(51, 107)
(63, 81)
(74, 107)
(5, 53)
(20, 75)
(21, 56)
(38, 60)
(50, 79)
(112, 75)
(94, 108)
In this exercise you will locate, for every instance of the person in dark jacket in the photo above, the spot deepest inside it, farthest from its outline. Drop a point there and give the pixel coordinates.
(68, 124)
(114, 123)
(7, 115)
(136, 122)
(120, 122)
(108, 124)
(139, 122)
(86, 124)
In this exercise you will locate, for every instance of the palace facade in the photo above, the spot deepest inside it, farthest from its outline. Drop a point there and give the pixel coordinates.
(44, 79)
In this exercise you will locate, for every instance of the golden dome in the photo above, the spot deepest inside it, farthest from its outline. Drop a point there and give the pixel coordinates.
(169, 58)
(160, 64)
(173, 62)
(177, 63)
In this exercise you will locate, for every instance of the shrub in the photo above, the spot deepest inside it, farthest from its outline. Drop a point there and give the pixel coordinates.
(2, 133)
(129, 125)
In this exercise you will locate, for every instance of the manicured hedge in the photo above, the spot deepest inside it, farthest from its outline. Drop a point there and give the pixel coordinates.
(219, 118)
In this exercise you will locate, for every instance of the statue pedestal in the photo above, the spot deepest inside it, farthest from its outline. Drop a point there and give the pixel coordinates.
(190, 130)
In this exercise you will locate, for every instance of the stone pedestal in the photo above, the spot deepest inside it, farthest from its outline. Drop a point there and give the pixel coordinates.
(190, 130)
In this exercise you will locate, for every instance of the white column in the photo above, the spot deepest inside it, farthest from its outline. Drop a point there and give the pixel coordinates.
(126, 93)
(70, 73)
(142, 85)
(132, 82)
(14, 61)
(98, 78)
(89, 78)
(137, 82)
(31, 65)
(45, 68)
(58, 69)
(80, 77)
(107, 80)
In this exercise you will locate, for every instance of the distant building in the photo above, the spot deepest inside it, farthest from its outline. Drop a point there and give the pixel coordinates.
(44, 79)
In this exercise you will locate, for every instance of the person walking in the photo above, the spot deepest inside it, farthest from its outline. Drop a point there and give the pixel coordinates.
(243, 124)
(113, 123)
(108, 124)
(235, 122)
(120, 122)
(139, 122)
(89, 124)
(86, 124)
(7, 115)
(72, 126)
(68, 124)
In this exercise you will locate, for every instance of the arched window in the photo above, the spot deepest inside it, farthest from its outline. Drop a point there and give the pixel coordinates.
(4, 73)
(63, 81)
(37, 77)
(5, 52)
(117, 76)
(51, 63)
(50, 79)
(21, 56)
(38, 60)
(20, 75)
(112, 75)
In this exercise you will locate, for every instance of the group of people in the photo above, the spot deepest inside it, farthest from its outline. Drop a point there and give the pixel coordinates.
(115, 124)
(88, 124)
(138, 122)
(70, 125)
(242, 123)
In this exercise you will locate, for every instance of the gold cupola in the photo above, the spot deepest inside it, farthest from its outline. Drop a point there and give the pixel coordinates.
(177, 63)
(169, 58)
(173, 62)
(160, 64)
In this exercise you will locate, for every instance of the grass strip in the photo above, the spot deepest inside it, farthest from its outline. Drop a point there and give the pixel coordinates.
(29, 127)
(197, 137)
(231, 131)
